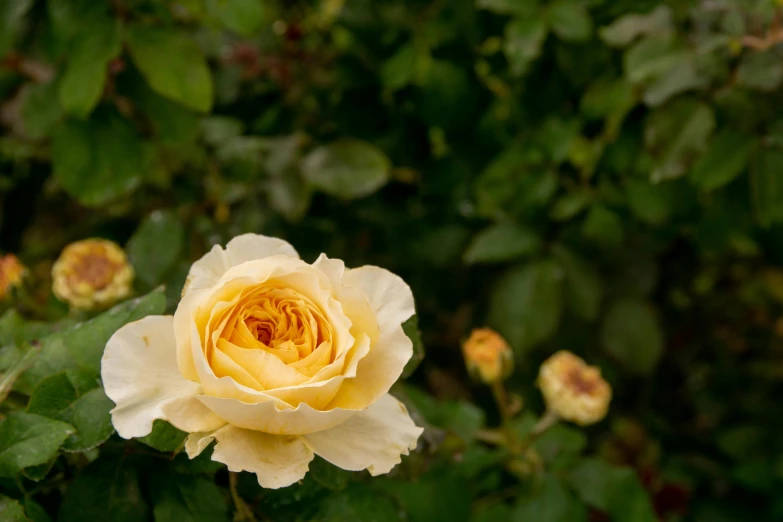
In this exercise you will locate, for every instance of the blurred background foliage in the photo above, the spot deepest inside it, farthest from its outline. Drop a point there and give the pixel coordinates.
(599, 176)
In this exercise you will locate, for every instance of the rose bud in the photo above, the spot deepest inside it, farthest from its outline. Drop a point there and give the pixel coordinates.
(573, 390)
(11, 274)
(488, 357)
(92, 273)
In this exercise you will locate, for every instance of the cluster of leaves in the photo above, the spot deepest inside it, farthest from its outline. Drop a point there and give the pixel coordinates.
(593, 175)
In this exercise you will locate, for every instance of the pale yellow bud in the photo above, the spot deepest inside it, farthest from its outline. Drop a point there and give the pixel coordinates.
(12, 271)
(488, 356)
(573, 390)
(92, 273)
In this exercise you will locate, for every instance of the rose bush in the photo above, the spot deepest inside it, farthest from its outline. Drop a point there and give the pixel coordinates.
(275, 359)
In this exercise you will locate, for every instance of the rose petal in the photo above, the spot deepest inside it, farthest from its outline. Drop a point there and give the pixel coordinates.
(392, 301)
(277, 460)
(140, 374)
(390, 297)
(373, 439)
(248, 247)
(267, 417)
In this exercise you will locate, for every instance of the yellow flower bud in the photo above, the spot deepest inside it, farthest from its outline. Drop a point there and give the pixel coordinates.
(11, 274)
(488, 356)
(92, 273)
(573, 390)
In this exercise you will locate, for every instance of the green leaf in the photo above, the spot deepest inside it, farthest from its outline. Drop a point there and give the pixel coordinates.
(400, 69)
(569, 205)
(80, 348)
(164, 437)
(151, 262)
(35, 513)
(767, 185)
(631, 333)
(613, 490)
(107, 489)
(725, 158)
(173, 65)
(244, 17)
(570, 20)
(187, 498)
(359, 502)
(83, 80)
(12, 23)
(584, 287)
(676, 135)
(99, 160)
(500, 243)
(526, 304)
(41, 111)
(491, 513)
(459, 417)
(442, 85)
(11, 510)
(550, 501)
(64, 398)
(523, 43)
(652, 58)
(560, 446)
(289, 196)
(416, 497)
(628, 501)
(513, 7)
(593, 480)
(346, 169)
(411, 329)
(328, 475)
(172, 122)
(762, 71)
(681, 77)
(219, 130)
(603, 226)
(70, 19)
(650, 203)
(29, 440)
(627, 28)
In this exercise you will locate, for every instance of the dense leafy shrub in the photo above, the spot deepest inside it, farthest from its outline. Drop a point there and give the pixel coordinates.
(600, 176)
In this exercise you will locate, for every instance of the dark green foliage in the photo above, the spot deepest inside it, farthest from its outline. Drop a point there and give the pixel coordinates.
(592, 175)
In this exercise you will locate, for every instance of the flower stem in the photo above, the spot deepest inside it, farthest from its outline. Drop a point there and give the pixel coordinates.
(507, 431)
(244, 513)
(547, 420)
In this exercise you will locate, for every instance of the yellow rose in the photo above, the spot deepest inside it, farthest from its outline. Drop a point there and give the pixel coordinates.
(92, 273)
(488, 356)
(275, 359)
(11, 274)
(573, 390)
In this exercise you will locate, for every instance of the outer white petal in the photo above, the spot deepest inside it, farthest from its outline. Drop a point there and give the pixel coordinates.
(277, 460)
(392, 300)
(248, 247)
(140, 374)
(389, 295)
(373, 439)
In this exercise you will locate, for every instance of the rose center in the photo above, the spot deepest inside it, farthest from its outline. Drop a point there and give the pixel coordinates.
(580, 382)
(94, 269)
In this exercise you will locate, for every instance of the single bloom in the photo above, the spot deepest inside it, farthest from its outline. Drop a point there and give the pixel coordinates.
(488, 356)
(573, 390)
(92, 273)
(12, 272)
(275, 359)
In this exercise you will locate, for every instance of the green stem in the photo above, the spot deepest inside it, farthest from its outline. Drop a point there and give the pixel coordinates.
(243, 510)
